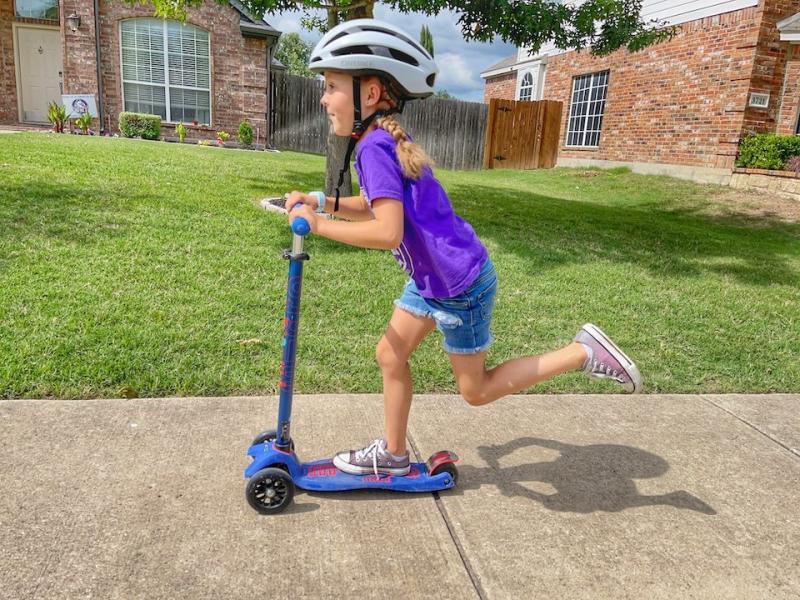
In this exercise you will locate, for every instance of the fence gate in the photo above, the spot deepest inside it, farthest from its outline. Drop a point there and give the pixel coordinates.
(522, 135)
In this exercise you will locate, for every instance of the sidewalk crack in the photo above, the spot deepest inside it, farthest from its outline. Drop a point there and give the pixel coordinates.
(473, 576)
(794, 451)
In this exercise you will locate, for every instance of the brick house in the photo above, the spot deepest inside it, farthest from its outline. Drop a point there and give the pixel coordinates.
(214, 69)
(679, 107)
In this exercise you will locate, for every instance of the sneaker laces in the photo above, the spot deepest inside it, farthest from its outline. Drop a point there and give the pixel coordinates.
(601, 369)
(371, 450)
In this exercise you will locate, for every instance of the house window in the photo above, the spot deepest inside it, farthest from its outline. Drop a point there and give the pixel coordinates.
(165, 70)
(526, 87)
(37, 9)
(586, 109)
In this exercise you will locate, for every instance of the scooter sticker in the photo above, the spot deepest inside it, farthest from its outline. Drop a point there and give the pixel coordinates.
(323, 470)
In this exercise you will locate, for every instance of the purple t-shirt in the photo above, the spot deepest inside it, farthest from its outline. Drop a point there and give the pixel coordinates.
(440, 250)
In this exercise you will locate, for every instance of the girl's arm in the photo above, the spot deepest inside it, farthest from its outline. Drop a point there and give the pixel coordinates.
(351, 208)
(383, 232)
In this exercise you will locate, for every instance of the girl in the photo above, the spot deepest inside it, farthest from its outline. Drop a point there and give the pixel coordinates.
(371, 68)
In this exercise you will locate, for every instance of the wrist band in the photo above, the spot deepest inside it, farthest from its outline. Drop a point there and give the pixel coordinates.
(320, 196)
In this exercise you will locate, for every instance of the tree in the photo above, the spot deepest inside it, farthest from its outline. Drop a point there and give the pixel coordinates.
(444, 94)
(601, 25)
(426, 39)
(294, 53)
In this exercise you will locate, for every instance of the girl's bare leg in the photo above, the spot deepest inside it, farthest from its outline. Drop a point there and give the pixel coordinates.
(479, 386)
(402, 336)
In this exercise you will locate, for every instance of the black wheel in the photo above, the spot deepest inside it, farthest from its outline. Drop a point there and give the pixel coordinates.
(447, 468)
(270, 490)
(270, 435)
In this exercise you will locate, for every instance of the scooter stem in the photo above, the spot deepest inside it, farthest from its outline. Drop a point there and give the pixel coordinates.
(290, 325)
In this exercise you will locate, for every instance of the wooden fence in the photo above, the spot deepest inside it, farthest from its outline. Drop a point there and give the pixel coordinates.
(522, 135)
(452, 132)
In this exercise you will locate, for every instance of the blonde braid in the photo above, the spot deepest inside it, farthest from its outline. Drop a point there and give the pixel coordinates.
(412, 157)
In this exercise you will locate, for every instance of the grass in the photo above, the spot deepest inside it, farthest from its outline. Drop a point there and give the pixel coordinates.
(136, 268)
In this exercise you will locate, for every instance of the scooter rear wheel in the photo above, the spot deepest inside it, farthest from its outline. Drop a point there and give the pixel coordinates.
(449, 468)
(270, 490)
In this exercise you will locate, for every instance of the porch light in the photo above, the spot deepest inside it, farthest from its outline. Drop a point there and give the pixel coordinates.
(73, 21)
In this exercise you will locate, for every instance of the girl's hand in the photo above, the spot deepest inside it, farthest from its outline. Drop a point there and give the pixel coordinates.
(296, 197)
(306, 212)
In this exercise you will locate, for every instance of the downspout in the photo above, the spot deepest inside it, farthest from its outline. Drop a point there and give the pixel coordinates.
(99, 70)
(268, 116)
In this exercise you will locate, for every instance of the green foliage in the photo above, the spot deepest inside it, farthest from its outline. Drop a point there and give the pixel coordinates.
(444, 94)
(245, 135)
(147, 127)
(602, 25)
(426, 39)
(222, 137)
(84, 122)
(57, 115)
(180, 131)
(767, 151)
(204, 143)
(294, 53)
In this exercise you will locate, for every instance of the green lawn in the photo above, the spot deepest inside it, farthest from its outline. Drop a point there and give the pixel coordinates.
(136, 267)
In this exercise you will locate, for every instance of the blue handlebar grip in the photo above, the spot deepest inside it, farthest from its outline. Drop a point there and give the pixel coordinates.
(301, 227)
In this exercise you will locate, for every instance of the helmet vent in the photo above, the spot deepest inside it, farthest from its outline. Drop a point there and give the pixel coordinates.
(352, 50)
(397, 55)
(430, 79)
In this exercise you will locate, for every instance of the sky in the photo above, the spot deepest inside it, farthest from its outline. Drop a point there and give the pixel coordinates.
(460, 63)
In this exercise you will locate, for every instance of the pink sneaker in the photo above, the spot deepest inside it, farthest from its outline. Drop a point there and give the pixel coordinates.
(606, 360)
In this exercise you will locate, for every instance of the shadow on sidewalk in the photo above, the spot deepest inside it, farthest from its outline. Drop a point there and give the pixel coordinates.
(596, 477)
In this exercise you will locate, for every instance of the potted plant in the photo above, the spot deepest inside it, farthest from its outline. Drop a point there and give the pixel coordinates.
(57, 115)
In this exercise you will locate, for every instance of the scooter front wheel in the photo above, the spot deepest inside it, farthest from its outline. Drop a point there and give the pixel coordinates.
(270, 490)
(270, 435)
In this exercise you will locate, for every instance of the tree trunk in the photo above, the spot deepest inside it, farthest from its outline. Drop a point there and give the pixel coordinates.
(337, 148)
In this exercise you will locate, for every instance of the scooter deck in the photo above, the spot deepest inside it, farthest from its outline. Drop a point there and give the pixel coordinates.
(323, 476)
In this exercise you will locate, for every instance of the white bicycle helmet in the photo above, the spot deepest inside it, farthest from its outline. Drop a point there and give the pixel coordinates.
(372, 47)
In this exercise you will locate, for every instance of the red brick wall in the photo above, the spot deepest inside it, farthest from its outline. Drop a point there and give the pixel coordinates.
(79, 50)
(8, 83)
(502, 86)
(238, 67)
(678, 102)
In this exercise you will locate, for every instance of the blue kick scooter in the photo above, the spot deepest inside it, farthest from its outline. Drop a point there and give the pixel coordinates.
(275, 469)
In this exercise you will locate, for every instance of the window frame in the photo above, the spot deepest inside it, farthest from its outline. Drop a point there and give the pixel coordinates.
(167, 120)
(530, 88)
(585, 117)
(42, 18)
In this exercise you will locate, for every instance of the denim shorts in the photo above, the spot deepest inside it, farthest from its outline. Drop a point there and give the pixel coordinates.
(465, 319)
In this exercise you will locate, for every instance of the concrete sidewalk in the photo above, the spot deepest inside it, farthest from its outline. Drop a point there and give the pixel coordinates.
(558, 497)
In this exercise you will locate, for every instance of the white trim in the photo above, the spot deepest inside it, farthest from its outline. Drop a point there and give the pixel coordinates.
(790, 37)
(496, 72)
(15, 27)
(166, 85)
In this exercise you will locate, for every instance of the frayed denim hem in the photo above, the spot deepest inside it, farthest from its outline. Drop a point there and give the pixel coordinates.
(414, 311)
(450, 350)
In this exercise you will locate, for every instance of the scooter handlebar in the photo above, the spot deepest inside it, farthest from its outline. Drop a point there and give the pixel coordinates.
(300, 226)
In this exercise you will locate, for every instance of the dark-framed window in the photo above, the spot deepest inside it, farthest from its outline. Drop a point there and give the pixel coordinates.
(37, 9)
(586, 109)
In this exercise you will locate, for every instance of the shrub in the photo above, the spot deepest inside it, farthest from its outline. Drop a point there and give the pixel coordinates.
(767, 151)
(180, 131)
(222, 137)
(57, 115)
(84, 122)
(245, 136)
(147, 127)
(204, 143)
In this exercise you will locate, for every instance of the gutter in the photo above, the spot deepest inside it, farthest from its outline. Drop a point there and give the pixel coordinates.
(100, 112)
